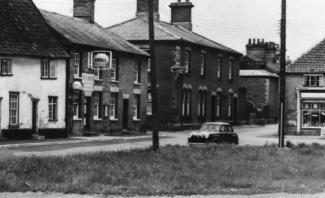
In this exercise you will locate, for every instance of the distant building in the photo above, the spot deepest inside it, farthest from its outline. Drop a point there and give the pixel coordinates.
(305, 99)
(259, 78)
(32, 74)
(100, 100)
(207, 88)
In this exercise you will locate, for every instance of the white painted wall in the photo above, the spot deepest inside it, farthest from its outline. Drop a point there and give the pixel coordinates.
(27, 81)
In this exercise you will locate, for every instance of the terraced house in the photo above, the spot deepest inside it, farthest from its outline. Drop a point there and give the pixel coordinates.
(100, 100)
(305, 100)
(32, 74)
(197, 77)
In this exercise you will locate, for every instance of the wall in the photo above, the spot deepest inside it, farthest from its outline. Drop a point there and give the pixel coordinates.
(27, 81)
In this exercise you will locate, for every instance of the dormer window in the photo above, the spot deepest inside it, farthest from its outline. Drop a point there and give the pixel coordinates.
(313, 80)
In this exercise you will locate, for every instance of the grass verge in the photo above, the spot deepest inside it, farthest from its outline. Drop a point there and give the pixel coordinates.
(174, 170)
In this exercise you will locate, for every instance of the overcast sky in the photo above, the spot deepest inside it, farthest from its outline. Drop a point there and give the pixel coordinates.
(229, 22)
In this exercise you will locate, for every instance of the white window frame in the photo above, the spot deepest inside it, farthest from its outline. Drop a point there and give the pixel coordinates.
(53, 108)
(308, 77)
(112, 107)
(136, 107)
(114, 72)
(13, 109)
(48, 69)
(5, 69)
(96, 107)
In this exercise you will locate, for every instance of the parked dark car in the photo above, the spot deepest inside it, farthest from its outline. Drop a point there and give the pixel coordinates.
(214, 132)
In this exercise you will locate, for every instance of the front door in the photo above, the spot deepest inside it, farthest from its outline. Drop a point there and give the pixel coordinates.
(34, 115)
(87, 105)
(213, 108)
(125, 113)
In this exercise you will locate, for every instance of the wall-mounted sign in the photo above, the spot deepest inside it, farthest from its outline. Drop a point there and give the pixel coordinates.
(88, 81)
(102, 59)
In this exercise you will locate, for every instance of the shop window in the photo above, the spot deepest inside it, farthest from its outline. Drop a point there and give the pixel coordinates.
(313, 114)
(48, 69)
(13, 109)
(53, 108)
(6, 67)
(313, 80)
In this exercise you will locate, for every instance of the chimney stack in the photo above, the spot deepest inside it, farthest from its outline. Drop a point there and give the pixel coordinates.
(84, 9)
(143, 9)
(181, 13)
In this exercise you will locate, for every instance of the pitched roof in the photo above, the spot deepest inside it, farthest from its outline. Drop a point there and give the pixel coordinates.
(24, 31)
(312, 61)
(257, 73)
(136, 29)
(81, 32)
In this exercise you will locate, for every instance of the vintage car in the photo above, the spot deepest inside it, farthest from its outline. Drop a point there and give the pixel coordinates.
(214, 132)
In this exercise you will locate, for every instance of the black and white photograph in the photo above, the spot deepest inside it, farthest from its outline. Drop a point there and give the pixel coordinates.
(162, 98)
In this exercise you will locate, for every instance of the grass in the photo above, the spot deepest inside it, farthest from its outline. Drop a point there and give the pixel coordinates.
(174, 170)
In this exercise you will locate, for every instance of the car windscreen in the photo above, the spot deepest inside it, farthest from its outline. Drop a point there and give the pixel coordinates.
(210, 127)
(226, 128)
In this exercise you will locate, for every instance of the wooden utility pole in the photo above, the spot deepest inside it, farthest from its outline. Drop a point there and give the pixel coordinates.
(155, 132)
(282, 74)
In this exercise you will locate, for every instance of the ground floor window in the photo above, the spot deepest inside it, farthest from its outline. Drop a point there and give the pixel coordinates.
(113, 106)
(186, 103)
(149, 103)
(13, 109)
(53, 108)
(313, 113)
(202, 105)
(136, 107)
(77, 108)
(218, 108)
(97, 105)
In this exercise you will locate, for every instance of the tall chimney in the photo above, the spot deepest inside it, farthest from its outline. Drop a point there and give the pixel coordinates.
(84, 9)
(143, 9)
(181, 14)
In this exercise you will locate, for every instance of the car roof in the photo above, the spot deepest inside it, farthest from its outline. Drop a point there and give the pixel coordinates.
(217, 123)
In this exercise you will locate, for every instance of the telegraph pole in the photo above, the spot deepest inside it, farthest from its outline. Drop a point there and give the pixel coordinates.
(155, 132)
(282, 74)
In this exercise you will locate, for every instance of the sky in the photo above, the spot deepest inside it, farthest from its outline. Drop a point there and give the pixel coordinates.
(229, 22)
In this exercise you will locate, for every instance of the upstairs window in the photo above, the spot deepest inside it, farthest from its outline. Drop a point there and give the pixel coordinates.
(313, 80)
(48, 69)
(231, 65)
(137, 74)
(5, 67)
(76, 63)
(114, 70)
(219, 67)
(203, 65)
(187, 62)
(98, 72)
(178, 56)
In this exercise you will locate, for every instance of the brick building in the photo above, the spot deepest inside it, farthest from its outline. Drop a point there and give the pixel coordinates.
(259, 78)
(305, 99)
(100, 100)
(207, 88)
(32, 74)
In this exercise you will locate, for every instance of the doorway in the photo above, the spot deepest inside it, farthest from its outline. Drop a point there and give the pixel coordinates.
(87, 109)
(125, 114)
(213, 108)
(34, 115)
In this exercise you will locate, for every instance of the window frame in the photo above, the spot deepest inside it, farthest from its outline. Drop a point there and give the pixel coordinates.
(320, 80)
(187, 61)
(8, 67)
(137, 74)
(113, 106)
(53, 117)
(230, 69)
(97, 105)
(136, 107)
(49, 68)
(17, 109)
(219, 67)
(77, 106)
(203, 65)
(77, 64)
(115, 70)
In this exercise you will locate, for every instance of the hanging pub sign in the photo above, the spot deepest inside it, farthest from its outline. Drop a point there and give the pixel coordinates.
(102, 59)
